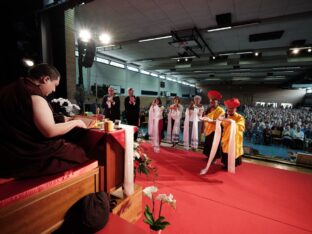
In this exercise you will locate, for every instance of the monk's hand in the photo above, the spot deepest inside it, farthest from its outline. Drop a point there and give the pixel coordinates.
(80, 124)
(68, 118)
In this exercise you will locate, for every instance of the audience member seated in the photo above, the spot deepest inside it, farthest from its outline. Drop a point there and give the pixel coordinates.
(308, 136)
(298, 137)
(267, 134)
(248, 131)
(286, 136)
(257, 134)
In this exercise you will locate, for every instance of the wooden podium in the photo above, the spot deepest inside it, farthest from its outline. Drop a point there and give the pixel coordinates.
(111, 181)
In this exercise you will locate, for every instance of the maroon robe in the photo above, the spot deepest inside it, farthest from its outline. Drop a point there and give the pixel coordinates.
(24, 151)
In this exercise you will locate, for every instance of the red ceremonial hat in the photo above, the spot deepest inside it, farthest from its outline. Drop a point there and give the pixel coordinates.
(214, 94)
(232, 103)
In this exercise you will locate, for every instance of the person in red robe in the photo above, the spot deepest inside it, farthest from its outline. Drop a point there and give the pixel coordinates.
(32, 143)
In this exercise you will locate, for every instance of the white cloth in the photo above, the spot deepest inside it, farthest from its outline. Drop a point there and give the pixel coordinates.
(109, 102)
(128, 167)
(214, 147)
(176, 115)
(154, 115)
(232, 148)
(191, 116)
(215, 143)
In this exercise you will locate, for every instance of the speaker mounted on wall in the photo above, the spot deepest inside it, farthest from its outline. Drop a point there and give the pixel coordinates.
(86, 51)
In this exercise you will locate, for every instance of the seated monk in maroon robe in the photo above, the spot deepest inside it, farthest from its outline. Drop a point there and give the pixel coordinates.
(32, 143)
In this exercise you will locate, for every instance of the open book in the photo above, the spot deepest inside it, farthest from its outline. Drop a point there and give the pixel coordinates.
(90, 121)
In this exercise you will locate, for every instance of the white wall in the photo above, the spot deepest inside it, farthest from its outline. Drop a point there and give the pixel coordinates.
(110, 75)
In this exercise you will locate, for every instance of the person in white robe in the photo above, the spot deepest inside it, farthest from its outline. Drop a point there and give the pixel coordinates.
(155, 123)
(174, 121)
(193, 124)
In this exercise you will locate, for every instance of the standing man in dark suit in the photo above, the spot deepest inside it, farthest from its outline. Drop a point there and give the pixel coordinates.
(132, 108)
(111, 105)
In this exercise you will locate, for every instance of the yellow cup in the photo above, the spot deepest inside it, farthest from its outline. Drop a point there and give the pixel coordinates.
(109, 126)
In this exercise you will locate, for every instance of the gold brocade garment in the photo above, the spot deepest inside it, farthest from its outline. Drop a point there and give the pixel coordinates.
(240, 128)
(215, 114)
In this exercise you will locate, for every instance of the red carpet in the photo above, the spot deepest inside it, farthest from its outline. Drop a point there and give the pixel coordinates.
(257, 199)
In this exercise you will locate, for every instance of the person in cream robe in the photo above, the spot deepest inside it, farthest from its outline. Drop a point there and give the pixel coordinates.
(174, 121)
(155, 123)
(193, 124)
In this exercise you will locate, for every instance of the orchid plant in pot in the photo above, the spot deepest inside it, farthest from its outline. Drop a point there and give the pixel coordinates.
(155, 220)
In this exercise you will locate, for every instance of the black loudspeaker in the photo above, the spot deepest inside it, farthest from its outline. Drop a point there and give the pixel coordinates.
(88, 58)
(224, 19)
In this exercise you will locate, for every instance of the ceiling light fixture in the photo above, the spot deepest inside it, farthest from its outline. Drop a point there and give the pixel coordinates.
(295, 51)
(275, 78)
(246, 24)
(116, 64)
(240, 78)
(234, 25)
(219, 29)
(240, 70)
(185, 57)
(285, 68)
(85, 35)
(132, 68)
(155, 38)
(144, 72)
(208, 79)
(243, 52)
(106, 46)
(300, 48)
(105, 38)
(102, 60)
(28, 62)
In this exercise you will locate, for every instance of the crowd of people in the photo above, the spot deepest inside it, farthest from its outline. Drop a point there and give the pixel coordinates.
(293, 127)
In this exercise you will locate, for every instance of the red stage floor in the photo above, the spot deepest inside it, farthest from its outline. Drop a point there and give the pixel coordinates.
(257, 199)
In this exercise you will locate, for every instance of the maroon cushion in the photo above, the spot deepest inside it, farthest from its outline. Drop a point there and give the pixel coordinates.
(16, 190)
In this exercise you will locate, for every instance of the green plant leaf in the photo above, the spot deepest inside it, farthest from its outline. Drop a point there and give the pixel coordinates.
(149, 216)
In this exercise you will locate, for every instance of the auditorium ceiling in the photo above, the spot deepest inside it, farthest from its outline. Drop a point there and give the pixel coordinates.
(207, 41)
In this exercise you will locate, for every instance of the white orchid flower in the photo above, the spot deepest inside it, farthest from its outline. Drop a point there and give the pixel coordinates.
(76, 106)
(167, 199)
(148, 191)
